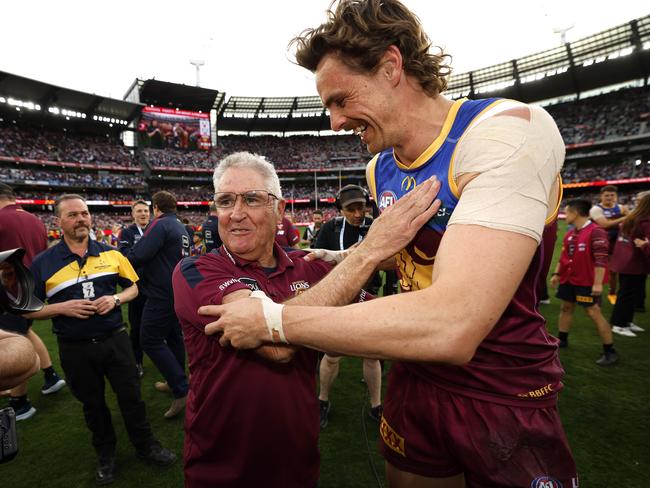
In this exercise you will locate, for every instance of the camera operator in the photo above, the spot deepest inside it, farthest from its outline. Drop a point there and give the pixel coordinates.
(338, 234)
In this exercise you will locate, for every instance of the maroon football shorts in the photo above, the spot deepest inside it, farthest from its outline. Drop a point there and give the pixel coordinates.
(431, 432)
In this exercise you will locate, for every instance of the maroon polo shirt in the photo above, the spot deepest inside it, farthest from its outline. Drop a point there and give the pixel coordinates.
(249, 422)
(287, 235)
(19, 228)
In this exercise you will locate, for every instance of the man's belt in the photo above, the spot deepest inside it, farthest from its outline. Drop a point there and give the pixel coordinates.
(93, 339)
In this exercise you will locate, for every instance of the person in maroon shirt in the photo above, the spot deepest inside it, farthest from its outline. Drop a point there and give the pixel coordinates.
(631, 259)
(287, 235)
(19, 228)
(251, 416)
(579, 276)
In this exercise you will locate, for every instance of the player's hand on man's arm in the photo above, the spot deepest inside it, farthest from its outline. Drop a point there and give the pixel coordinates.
(243, 323)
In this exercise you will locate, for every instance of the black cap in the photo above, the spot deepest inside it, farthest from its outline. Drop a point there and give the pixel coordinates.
(350, 194)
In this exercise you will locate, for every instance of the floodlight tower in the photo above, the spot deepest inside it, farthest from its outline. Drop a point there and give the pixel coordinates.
(197, 63)
(562, 29)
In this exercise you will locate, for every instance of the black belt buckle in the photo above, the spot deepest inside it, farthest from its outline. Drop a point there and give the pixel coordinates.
(8, 436)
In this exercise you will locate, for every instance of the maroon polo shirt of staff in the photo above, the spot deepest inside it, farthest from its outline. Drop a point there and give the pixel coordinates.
(249, 422)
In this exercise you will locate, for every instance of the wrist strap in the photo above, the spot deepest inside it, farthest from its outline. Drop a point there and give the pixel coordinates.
(272, 315)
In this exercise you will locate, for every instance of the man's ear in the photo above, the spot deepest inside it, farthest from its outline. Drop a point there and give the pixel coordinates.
(391, 65)
(282, 204)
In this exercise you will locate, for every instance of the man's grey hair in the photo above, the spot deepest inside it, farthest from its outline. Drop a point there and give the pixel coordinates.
(249, 161)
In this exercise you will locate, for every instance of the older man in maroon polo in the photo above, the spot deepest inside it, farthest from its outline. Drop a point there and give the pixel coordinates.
(252, 416)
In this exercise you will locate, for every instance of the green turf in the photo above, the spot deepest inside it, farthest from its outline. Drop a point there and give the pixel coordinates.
(606, 413)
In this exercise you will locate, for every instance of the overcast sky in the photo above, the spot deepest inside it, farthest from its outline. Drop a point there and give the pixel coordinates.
(102, 46)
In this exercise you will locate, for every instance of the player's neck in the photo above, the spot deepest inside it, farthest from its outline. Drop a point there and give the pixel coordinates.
(422, 125)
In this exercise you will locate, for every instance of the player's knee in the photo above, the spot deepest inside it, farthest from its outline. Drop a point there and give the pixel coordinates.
(566, 307)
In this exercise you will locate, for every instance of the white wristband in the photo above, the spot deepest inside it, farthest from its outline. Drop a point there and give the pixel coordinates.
(272, 315)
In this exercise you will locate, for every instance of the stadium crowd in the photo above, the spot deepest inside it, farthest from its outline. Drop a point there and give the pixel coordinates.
(50, 145)
(612, 115)
(70, 178)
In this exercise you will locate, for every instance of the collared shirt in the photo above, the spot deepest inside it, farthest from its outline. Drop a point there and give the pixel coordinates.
(249, 422)
(61, 275)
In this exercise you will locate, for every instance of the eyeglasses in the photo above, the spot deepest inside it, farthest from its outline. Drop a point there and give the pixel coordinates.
(252, 198)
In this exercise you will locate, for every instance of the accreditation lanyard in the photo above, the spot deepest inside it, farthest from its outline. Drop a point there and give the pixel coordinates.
(343, 233)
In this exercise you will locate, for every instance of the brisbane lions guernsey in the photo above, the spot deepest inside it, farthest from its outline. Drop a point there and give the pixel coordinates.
(517, 362)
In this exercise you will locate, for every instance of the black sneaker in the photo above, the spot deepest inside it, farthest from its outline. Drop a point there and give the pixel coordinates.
(324, 412)
(105, 472)
(607, 359)
(158, 455)
(52, 385)
(375, 413)
(23, 409)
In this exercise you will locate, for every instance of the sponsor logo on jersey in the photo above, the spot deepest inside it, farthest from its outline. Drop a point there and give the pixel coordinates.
(391, 438)
(545, 482)
(408, 183)
(538, 393)
(386, 199)
(250, 283)
(228, 283)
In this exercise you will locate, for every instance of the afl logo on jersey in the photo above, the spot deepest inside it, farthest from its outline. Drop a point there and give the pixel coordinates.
(386, 199)
(545, 482)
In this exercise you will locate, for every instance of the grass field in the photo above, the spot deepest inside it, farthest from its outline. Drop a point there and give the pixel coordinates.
(606, 413)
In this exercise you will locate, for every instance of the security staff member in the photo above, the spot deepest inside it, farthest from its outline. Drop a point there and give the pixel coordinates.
(161, 247)
(79, 278)
(338, 234)
(128, 238)
(210, 230)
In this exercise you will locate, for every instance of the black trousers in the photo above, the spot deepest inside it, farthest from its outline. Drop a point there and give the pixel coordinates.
(136, 308)
(629, 288)
(162, 340)
(86, 364)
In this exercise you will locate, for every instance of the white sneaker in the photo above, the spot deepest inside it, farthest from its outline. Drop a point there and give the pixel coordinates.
(624, 331)
(635, 328)
(545, 302)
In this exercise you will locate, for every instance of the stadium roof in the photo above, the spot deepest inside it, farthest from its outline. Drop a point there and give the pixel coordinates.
(613, 56)
(174, 95)
(26, 93)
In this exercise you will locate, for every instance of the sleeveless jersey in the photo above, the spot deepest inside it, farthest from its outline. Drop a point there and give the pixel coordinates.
(517, 362)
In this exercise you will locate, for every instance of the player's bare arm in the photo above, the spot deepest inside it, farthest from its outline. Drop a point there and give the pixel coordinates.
(279, 353)
(475, 286)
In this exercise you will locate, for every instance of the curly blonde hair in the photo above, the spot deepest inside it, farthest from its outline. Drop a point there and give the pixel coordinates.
(360, 32)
